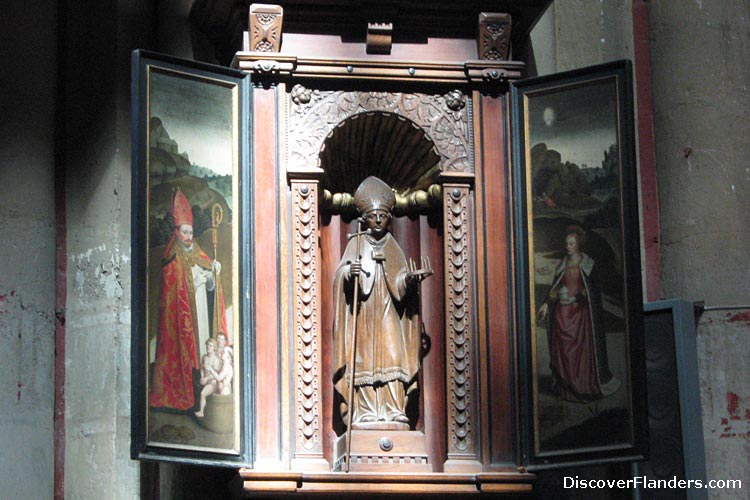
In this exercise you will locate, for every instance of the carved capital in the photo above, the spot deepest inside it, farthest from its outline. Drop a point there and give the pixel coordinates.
(266, 66)
(264, 27)
(494, 36)
(460, 178)
(494, 75)
(493, 72)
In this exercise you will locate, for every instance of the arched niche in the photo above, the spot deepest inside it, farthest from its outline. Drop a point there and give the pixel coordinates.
(399, 152)
(386, 145)
(312, 114)
(335, 139)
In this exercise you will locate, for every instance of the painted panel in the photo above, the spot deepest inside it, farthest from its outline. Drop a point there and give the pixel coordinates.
(581, 264)
(190, 275)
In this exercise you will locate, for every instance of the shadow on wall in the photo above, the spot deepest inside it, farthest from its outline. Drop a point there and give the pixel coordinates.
(190, 482)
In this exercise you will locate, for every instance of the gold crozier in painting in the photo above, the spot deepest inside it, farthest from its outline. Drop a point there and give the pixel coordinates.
(580, 345)
(192, 264)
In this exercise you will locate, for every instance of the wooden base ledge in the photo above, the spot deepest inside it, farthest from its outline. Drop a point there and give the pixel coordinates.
(283, 484)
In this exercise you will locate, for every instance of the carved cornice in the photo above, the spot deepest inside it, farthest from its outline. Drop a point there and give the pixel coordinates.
(306, 320)
(459, 323)
(313, 114)
(458, 72)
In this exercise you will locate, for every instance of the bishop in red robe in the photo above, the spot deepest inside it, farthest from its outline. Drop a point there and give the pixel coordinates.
(187, 273)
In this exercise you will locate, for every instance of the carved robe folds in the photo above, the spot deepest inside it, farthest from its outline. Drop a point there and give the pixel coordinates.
(388, 332)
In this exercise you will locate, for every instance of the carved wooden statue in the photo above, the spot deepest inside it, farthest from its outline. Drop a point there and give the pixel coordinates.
(377, 314)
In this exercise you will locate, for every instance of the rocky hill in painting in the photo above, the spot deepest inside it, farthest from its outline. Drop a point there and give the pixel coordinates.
(165, 160)
(170, 169)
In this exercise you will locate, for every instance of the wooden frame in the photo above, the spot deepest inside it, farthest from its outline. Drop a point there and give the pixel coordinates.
(578, 258)
(191, 173)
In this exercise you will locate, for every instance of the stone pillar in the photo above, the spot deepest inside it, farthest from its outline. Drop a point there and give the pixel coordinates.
(28, 55)
(701, 103)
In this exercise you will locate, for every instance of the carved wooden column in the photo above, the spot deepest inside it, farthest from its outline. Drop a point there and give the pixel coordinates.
(308, 414)
(494, 250)
(268, 409)
(463, 426)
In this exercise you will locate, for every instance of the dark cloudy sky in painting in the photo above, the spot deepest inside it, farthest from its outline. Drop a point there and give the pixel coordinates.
(578, 121)
(198, 115)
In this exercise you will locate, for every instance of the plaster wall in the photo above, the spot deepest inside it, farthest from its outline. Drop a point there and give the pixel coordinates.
(97, 42)
(27, 251)
(574, 34)
(700, 76)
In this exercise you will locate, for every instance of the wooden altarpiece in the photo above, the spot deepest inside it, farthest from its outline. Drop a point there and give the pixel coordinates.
(431, 117)
(433, 124)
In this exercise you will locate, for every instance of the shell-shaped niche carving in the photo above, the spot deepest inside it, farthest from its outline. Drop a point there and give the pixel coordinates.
(386, 145)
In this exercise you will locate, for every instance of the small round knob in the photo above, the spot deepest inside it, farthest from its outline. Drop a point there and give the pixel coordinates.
(386, 444)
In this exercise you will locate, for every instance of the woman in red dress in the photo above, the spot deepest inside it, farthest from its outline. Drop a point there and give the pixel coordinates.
(577, 342)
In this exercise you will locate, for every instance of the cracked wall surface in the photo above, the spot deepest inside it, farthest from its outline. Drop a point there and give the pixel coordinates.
(97, 161)
(701, 95)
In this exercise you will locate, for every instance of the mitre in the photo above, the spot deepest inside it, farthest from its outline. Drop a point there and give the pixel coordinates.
(181, 212)
(374, 194)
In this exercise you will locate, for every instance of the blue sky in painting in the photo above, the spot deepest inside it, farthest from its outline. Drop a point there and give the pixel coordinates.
(579, 122)
(197, 114)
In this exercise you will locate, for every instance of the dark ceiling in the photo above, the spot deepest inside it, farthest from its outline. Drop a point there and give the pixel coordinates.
(221, 22)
